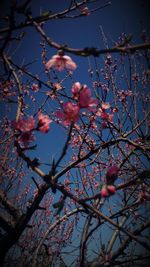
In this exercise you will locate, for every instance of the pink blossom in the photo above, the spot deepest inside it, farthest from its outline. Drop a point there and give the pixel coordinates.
(60, 62)
(83, 94)
(104, 115)
(57, 86)
(112, 174)
(70, 113)
(76, 88)
(105, 105)
(85, 99)
(43, 124)
(24, 125)
(85, 11)
(35, 87)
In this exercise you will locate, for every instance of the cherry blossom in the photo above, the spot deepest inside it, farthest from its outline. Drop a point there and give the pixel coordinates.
(24, 125)
(105, 105)
(76, 88)
(104, 115)
(83, 94)
(35, 87)
(60, 62)
(85, 11)
(43, 124)
(70, 113)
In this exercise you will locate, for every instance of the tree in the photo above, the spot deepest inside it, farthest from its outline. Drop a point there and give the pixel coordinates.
(87, 205)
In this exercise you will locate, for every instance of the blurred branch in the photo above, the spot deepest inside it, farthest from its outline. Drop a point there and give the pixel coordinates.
(6, 224)
(83, 240)
(42, 18)
(124, 244)
(50, 229)
(20, 97)
(12, 210)
(114, 236)
(90, 51)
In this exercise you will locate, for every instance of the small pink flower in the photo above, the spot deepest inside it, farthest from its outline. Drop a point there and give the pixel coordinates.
(104, 115)
(105, 105)
(96, 185)
(43, 124)
(70, 113)
(24, 125)
(57, 86)
(35, 87)
(112, 174)
(60, 62)
(85, 11)
(104, 191)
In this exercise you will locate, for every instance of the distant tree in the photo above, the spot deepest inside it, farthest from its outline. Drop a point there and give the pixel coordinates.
(90, 203)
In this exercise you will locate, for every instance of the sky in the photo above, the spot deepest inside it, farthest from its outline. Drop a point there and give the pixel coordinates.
(129, 16)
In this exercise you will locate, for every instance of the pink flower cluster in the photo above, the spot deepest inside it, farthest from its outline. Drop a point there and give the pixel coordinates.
(25, 127)
(122, 95)
(71, 111)
(60, 62)
(105, 116)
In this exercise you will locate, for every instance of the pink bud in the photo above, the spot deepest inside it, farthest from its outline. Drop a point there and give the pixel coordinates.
(111, 189)
(104, 191)
(112, 174)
